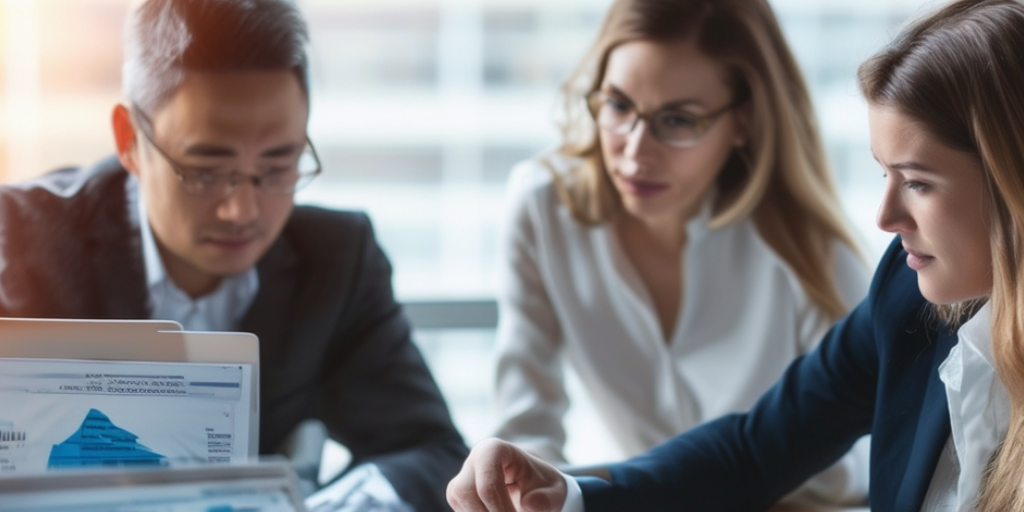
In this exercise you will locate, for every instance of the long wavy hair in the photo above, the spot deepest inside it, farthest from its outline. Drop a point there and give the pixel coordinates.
(780, 177)
(959, 72)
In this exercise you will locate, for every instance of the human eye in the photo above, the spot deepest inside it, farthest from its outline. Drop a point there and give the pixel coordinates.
(204, 174)
(617, 105)
(278, 176)
(278, 172)
(900, 179)
(677, 119)
(205, 177)
(915, 186)
(197, 174)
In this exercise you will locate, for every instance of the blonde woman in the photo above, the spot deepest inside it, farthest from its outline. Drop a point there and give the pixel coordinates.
(683, 245)
(931, 363)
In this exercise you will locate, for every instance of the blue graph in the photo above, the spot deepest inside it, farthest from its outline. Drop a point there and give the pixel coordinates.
(98, 442)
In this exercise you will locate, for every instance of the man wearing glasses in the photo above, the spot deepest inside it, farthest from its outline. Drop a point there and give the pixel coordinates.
(194, 221)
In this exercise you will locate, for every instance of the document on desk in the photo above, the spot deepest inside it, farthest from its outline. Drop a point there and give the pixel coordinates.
(64, 414)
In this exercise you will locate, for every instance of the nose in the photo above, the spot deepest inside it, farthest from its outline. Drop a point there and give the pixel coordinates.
(241, 205)
(638, 146)
(893, 216)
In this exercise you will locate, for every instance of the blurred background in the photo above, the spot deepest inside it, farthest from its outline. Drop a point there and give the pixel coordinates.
(419, 110)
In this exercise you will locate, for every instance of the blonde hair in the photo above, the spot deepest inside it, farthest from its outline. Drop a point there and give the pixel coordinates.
(781, 177)
(958, 72)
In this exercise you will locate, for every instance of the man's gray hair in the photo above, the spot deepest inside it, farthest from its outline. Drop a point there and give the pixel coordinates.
(166, 38)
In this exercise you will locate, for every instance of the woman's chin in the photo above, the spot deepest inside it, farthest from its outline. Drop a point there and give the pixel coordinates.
(943, 292)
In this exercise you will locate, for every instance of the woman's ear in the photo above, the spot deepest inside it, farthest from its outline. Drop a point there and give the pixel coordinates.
(124, 138)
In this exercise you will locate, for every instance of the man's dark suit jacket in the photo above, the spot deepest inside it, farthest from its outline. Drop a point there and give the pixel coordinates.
(875, 372)
(334, 344)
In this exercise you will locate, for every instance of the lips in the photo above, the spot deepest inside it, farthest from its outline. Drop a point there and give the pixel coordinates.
(641, 187)
(917, 260)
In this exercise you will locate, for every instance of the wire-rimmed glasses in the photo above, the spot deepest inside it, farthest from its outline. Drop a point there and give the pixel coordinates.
(279, 178)
(671, 124)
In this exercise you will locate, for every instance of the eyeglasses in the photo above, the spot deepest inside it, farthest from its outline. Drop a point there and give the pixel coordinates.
(670, 125)
(279, 178)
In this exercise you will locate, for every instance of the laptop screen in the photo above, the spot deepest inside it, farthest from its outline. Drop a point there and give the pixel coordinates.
(58, 414)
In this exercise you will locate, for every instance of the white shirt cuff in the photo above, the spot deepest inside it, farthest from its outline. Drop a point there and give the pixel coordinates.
(573, 495)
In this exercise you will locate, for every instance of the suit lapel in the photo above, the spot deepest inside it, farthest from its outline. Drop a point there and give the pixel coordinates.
(116, 252)
(933, 430)
(270, 316)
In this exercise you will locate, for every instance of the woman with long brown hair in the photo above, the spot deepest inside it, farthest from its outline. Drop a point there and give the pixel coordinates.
(683, 244)
(931, 363)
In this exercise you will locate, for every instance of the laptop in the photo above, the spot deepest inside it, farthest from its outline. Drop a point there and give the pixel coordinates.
(124, 394)
(257, 486)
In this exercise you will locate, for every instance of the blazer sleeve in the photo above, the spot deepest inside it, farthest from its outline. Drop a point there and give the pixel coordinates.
(822, 404)
(846, 481)
(530, 396)
(379, 398)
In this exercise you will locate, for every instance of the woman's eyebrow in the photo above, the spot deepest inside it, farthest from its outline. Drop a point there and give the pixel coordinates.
(903, 166)
(668, 105)
(910, 166)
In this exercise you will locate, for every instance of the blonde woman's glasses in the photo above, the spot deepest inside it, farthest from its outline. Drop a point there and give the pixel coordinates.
(670, 125)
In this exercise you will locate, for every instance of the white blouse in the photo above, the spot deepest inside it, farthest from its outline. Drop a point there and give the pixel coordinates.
(979, 413)
(568, 291)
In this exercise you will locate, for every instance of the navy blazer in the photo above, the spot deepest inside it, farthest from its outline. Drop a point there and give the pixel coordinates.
(876, 371)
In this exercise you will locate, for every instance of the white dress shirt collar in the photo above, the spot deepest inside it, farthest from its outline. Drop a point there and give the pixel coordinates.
(979, 407)
(220, 310)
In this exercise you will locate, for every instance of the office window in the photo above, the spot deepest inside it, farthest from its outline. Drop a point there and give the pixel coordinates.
(367, 47)
(60, 67)
(519, 38)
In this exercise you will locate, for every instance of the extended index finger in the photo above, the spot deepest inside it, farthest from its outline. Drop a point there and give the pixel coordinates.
(490, 478)
(462, 494)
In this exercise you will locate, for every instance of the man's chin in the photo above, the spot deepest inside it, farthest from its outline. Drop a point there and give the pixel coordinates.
(231, 271)
(228, 267)
(230, 263)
